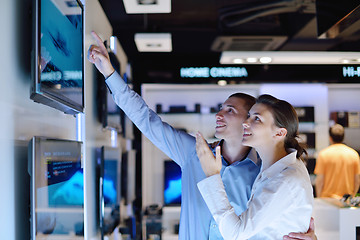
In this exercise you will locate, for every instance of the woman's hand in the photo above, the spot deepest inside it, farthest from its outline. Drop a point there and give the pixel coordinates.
(99, 56)
(209, 163)
(310, 235)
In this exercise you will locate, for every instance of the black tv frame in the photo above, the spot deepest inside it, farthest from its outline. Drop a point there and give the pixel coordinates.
(37, 93)
(32, 159)
(109, 114)
(108, 223)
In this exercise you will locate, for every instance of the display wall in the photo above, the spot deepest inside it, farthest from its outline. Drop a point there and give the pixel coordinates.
(21, 118)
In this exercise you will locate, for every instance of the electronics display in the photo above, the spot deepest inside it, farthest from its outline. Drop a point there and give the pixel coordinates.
(128, 173)
(172, 183)
(58, 59)
(109, 114)
(57, 188)
(109, 183)
(305, 114)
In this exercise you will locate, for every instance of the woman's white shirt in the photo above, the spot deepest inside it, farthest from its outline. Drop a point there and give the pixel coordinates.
(281, 202)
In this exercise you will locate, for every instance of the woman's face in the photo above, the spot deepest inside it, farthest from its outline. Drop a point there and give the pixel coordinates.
(259, 129)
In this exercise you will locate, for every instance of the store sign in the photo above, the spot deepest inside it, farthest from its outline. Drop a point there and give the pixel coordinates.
(351, 72)
(213, 72)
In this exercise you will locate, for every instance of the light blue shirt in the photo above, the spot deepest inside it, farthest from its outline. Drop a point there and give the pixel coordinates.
(196, 221)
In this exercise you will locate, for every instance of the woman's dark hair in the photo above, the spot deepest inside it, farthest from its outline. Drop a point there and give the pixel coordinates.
(285, 117)
(249, 100)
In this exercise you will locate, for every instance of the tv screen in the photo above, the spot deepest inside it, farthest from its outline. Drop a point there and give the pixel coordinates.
(109, 114)
(172, 183)
(58, 59)
(57, 188)
(109, 164)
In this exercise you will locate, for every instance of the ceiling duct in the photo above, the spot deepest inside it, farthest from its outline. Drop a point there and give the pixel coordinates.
(247, 43)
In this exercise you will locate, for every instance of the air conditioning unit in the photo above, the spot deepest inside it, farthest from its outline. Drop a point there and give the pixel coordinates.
(247, 43)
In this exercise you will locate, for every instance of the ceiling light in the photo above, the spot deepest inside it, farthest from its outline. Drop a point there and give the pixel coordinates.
(222, 82)
(265, 60)
(251, 60)
(147, 2)
(238, 60)
(153, 42)
(291, 57)
(147, 6)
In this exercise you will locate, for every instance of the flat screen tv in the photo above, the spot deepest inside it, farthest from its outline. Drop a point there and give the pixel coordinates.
(56, 188)
(172, 183)
(109, 114)
(109, 165)
(58, 55)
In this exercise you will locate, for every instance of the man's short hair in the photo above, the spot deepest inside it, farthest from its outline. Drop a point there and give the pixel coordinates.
(337, 133)
(249, 100)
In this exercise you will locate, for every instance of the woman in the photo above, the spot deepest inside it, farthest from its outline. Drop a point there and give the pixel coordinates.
(282, 196)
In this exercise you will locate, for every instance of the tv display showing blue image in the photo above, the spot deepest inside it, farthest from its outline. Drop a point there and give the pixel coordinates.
(57, 187)
(110, 182)
(58, 70)
(62, 48)
(172, 183)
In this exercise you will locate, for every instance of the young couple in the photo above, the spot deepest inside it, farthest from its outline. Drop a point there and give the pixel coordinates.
(238, 205)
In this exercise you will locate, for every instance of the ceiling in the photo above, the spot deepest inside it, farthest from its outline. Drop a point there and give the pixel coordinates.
(202, 29)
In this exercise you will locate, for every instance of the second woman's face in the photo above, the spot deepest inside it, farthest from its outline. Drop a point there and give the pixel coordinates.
(259, 128)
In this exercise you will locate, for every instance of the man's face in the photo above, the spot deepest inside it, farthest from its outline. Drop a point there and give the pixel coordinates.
(230, 118)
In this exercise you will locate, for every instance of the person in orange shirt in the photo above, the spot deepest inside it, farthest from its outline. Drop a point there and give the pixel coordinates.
(337, 167)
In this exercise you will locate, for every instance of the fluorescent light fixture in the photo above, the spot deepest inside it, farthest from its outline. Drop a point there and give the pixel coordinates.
(144, 6)
(290, 57)
(153, 42)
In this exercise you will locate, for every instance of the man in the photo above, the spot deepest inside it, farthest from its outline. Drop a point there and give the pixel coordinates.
(337, 167)
(240, 164)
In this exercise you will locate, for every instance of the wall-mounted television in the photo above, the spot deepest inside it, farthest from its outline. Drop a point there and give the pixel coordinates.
(172, 183)
(109, 114)
(58, 54)
(109, 183)
(56, 188)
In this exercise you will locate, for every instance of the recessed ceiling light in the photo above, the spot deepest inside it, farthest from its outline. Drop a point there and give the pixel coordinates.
(153, 42)
(147, 6)
(238, 60)
(251, 60)
(147, 2)
(222, 82)
(345, 61)
(265, 59)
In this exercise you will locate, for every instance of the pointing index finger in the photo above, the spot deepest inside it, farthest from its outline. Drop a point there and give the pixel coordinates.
(98, 41)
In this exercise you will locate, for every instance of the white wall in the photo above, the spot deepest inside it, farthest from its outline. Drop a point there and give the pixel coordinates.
(21, 118)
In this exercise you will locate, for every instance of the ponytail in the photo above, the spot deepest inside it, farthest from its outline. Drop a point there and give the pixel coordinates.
(292, 142)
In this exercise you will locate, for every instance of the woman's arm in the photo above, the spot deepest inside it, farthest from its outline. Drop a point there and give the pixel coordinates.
(268, 202)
